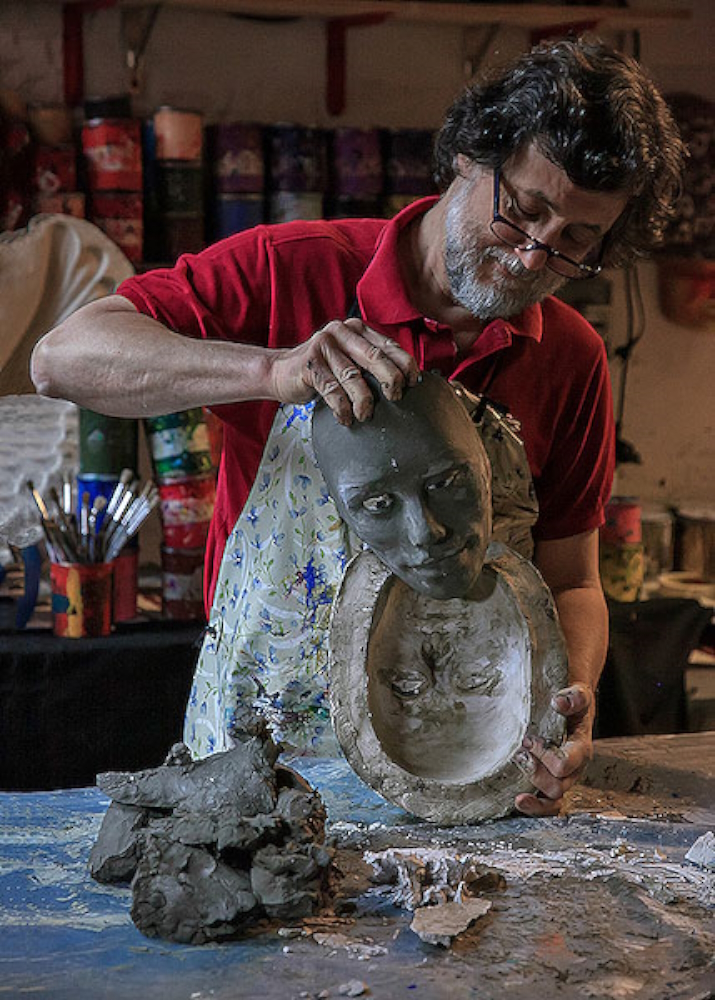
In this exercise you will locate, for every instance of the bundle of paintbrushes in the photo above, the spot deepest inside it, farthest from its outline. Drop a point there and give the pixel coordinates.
(94, 531)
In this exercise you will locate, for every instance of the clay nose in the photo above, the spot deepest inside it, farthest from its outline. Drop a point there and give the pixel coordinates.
(421, 527)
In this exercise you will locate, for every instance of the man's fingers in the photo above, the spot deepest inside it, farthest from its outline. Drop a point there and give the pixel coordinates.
(574, 700)
(320, 376)
(534, 805)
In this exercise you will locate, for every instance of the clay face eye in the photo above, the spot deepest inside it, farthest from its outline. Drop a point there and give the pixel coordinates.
(378, 504)
(444, 482)
(409, 685)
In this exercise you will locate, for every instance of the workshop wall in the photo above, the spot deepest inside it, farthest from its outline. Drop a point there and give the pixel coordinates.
(398, 75)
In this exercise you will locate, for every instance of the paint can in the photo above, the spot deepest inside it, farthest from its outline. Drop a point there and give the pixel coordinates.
(112, 151)
(179, 133)
(81, 599)
(408, 162)
(182, 572)
(236, 152)
(55, 169)
(234, 213)
(623, 522)
(180, 232)
(298, 158)
(657, 524)
(622, 570)
(107, 444)
(287, 206)
(120, 215)
(63, 203)
(125, 583)
(179, 186)
(357, 163)
(179, 445)
(695, 541)
(186, 509)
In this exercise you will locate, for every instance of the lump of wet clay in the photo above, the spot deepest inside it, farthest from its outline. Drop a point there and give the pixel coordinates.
(210, 847)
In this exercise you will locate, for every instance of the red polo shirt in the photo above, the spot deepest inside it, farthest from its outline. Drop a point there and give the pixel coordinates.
(275, 285)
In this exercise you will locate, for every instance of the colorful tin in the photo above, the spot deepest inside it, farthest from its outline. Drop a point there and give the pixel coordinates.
(298, 158)
(357, 162)
(63, 203)
(179, 186)
(120, 216)
(107, 444)
(182, 583)
(81, 599)
(236, 151)
(408, 162)
(125, 583)
(112, 150)
(623, 522)
(55, 169)
(180, 232)
(622, 570)
(286, 206)
(51, 123)
(186, 510)
(695, 541)
(233, 213)
(179, 134)
(179, 445)
(95, 486)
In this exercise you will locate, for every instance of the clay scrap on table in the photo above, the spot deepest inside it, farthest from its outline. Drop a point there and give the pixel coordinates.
(213, 846)
(443, 889)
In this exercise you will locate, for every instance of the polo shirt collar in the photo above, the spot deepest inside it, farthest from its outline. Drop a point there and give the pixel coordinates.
(382, 295)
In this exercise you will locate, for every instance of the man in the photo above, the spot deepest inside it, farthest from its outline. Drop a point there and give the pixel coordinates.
(566, 161)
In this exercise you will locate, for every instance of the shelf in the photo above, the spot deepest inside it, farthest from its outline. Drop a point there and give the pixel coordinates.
(526, 15)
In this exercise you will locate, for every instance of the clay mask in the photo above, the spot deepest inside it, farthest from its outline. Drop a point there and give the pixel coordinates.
(413, 483)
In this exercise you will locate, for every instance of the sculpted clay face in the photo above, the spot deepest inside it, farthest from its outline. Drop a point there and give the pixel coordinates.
(413, 483)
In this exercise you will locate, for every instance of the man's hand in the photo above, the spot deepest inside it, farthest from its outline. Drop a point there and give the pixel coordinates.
(330, 363)
(556, 769)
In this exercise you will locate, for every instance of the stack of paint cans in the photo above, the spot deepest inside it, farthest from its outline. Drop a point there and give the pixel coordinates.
(173, 155)
(54, 177)
(621, 550)
(113, 166)
(356, 179)
(236, 153)
(184, 472)
(298, 172)
(408, 167)
(107, 447)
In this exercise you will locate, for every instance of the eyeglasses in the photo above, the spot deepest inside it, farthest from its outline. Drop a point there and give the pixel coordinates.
(512, 236)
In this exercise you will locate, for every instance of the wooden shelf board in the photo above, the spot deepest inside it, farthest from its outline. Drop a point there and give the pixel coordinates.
(524, 15)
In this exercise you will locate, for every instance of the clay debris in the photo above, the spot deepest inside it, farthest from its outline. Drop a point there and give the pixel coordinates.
(442, 889)
(211, 847)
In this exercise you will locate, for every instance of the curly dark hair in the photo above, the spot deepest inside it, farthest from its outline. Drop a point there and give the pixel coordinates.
(592, 111)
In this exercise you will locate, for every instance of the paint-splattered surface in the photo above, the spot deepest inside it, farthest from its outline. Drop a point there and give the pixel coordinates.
(600, 903)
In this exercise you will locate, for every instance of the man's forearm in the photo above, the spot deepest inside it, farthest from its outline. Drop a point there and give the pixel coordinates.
(584, 620)
(110, 358)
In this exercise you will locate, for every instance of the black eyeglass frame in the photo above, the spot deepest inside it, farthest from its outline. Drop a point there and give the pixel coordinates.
(532, 244)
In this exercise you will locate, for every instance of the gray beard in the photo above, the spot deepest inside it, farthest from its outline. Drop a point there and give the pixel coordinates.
(465, 255)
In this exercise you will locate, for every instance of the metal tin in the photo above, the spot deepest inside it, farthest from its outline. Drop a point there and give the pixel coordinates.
(237, 156)
(186, 509)
(182, 583)
(180, 186)
(408, 162)
(623, 522)
(298, 158)
(51, 124)
(55, 169)
(120, 216)
(125, 583)
(657, 525)
(179, 134)
(81, 599)
(106, 444)
(180, 233)
(357, 162)
(233, 213)
(179, 445)
(112, 149)
(96, 486)
(63, 203)
(286, 206)
(695, 541)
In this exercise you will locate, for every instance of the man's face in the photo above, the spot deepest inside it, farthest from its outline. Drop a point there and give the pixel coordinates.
(490, 279)
(413, 483)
